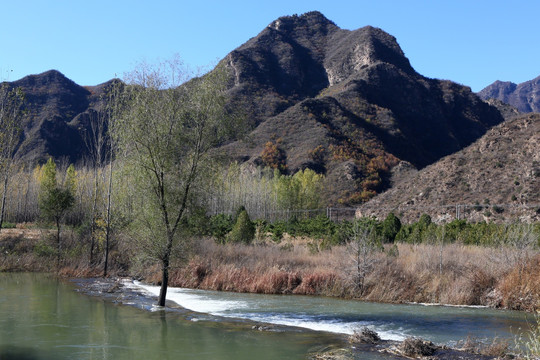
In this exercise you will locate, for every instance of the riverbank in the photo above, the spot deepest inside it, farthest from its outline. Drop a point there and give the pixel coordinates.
(452, 274)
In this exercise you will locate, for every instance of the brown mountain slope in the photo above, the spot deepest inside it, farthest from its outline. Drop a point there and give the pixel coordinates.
(353, 97)
(502, 168)
(525, 96)
(56, 115)
(345, 103)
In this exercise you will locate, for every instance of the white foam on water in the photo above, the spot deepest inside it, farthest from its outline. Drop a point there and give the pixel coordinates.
(307, 322)
(198, 302)
(450, 305)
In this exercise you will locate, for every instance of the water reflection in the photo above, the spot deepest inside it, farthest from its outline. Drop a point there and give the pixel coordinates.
(18, 353)
(41, 318)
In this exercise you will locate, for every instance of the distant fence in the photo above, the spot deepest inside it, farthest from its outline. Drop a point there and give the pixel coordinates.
(408, 213)
(332, 213)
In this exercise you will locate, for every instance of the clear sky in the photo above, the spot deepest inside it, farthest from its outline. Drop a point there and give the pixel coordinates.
(472, 42)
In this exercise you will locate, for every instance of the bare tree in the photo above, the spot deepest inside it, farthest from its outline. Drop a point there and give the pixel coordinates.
(362, 246)
(11, 101)
(522, 239)
(115, 106)
(96, 143)
(166, 135)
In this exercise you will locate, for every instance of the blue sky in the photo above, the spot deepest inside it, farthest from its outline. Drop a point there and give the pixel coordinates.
(472, 42)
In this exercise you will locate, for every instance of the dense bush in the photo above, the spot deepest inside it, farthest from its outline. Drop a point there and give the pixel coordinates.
(483, 234)
(219, 226)
(424, 231)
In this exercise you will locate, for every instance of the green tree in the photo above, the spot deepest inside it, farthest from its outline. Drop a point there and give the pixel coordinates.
(424, 221)
(56, 199)
(11, 102)
(243, 230)
(302, 191)
(390, 228)
(165, 137)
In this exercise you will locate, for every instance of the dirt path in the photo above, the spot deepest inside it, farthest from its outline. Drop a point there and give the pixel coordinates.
(31, 234)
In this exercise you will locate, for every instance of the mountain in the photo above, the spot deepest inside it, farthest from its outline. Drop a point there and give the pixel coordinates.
(497, 177)
(57, 112)
(346, 103)
(525, 96)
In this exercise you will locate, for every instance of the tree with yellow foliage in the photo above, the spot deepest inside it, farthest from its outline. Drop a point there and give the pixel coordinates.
(56, 199)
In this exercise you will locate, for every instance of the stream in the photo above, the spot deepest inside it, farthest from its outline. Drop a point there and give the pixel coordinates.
(440, 324)
(44, 318)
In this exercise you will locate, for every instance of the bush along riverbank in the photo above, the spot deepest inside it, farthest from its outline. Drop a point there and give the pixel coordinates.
(456, 263)
(400, 273)
(364, 260)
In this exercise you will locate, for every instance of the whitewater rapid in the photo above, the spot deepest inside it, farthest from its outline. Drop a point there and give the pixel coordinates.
(268, 312)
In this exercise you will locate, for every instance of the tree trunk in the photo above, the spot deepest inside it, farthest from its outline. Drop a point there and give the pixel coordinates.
(164, 281)
(108, 227)
(165, 274)
(58, 246)
(93, 218)
(4, 196)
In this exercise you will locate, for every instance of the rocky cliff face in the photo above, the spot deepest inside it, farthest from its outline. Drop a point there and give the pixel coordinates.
(54, 120)
(525, 96)
(497, 177)
(354, 95)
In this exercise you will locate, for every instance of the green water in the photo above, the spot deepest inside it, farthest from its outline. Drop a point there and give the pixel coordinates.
(44, 318)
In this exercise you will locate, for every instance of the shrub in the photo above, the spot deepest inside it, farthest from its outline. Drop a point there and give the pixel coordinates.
(531, 341)
(220, 226)
(424, 221)
(414, 347)
(318, 227)
(273, 156)
(277, 229)
(43, 249)
(197, 222)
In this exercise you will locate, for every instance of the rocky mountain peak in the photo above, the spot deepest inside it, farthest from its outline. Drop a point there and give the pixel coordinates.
(524, 96)
(309, 19)
(344, 103)
(45, 79)
(352, 51)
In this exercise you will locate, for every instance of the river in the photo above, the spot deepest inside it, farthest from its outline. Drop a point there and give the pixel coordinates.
(42, 317)
(440, 324)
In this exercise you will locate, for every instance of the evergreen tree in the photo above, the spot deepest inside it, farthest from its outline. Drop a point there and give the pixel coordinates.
(390, 228)
(243, 230)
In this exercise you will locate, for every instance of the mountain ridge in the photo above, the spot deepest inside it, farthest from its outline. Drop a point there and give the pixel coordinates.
(524, 96)
(377, 96)
(346, 103)
(497, 178)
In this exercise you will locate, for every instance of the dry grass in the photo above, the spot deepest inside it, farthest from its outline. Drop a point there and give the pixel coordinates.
(464, 275)
(414, 347)
(498, 348)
